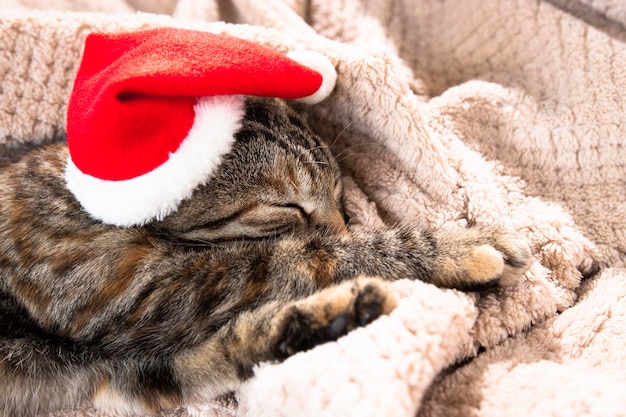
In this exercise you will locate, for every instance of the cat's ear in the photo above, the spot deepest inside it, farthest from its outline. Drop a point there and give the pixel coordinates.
(152, 113)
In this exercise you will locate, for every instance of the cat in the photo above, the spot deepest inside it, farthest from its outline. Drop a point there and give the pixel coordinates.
(256, 265)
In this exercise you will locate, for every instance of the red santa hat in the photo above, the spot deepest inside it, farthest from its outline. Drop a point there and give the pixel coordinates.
(152, 113)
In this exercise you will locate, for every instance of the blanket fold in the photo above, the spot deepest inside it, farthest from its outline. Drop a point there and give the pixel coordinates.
(446, 113)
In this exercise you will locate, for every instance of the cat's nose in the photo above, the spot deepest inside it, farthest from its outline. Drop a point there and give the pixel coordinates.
(330, 218)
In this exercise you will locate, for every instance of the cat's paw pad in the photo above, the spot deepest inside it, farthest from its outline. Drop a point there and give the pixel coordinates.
(330, 314)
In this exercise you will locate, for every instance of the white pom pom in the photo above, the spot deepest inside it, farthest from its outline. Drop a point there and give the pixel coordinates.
(321, 64)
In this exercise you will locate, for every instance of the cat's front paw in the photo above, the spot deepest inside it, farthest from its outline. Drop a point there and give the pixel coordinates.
(487, 265)
(478, 258)
(331, 313)
(516, 255)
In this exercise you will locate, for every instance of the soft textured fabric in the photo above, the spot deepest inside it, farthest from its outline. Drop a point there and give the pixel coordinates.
(448, 113)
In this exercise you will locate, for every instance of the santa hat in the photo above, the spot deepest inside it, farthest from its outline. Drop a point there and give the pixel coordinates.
(152, 113)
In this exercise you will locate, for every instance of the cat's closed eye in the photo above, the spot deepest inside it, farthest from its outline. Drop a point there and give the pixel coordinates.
(253, 222)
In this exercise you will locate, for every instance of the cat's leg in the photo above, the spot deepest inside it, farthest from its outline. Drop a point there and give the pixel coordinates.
(463, 258)
(277, 330)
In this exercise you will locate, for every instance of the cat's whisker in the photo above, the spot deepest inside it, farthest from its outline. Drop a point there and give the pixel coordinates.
(295, 186)
(346, 127)
(319, 147)
(189, 244)
(351, 147)
(195, 243)
(345, 156)
(317, 162)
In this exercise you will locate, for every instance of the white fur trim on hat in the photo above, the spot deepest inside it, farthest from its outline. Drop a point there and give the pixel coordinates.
(321, 64)
(158, 193)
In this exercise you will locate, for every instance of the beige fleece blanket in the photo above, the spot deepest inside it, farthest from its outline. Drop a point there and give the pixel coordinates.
(505, 112)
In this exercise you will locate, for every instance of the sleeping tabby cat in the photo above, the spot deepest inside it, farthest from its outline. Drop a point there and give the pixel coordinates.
(257, 265)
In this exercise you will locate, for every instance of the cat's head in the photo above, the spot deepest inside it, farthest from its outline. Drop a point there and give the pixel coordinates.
(278, 178)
